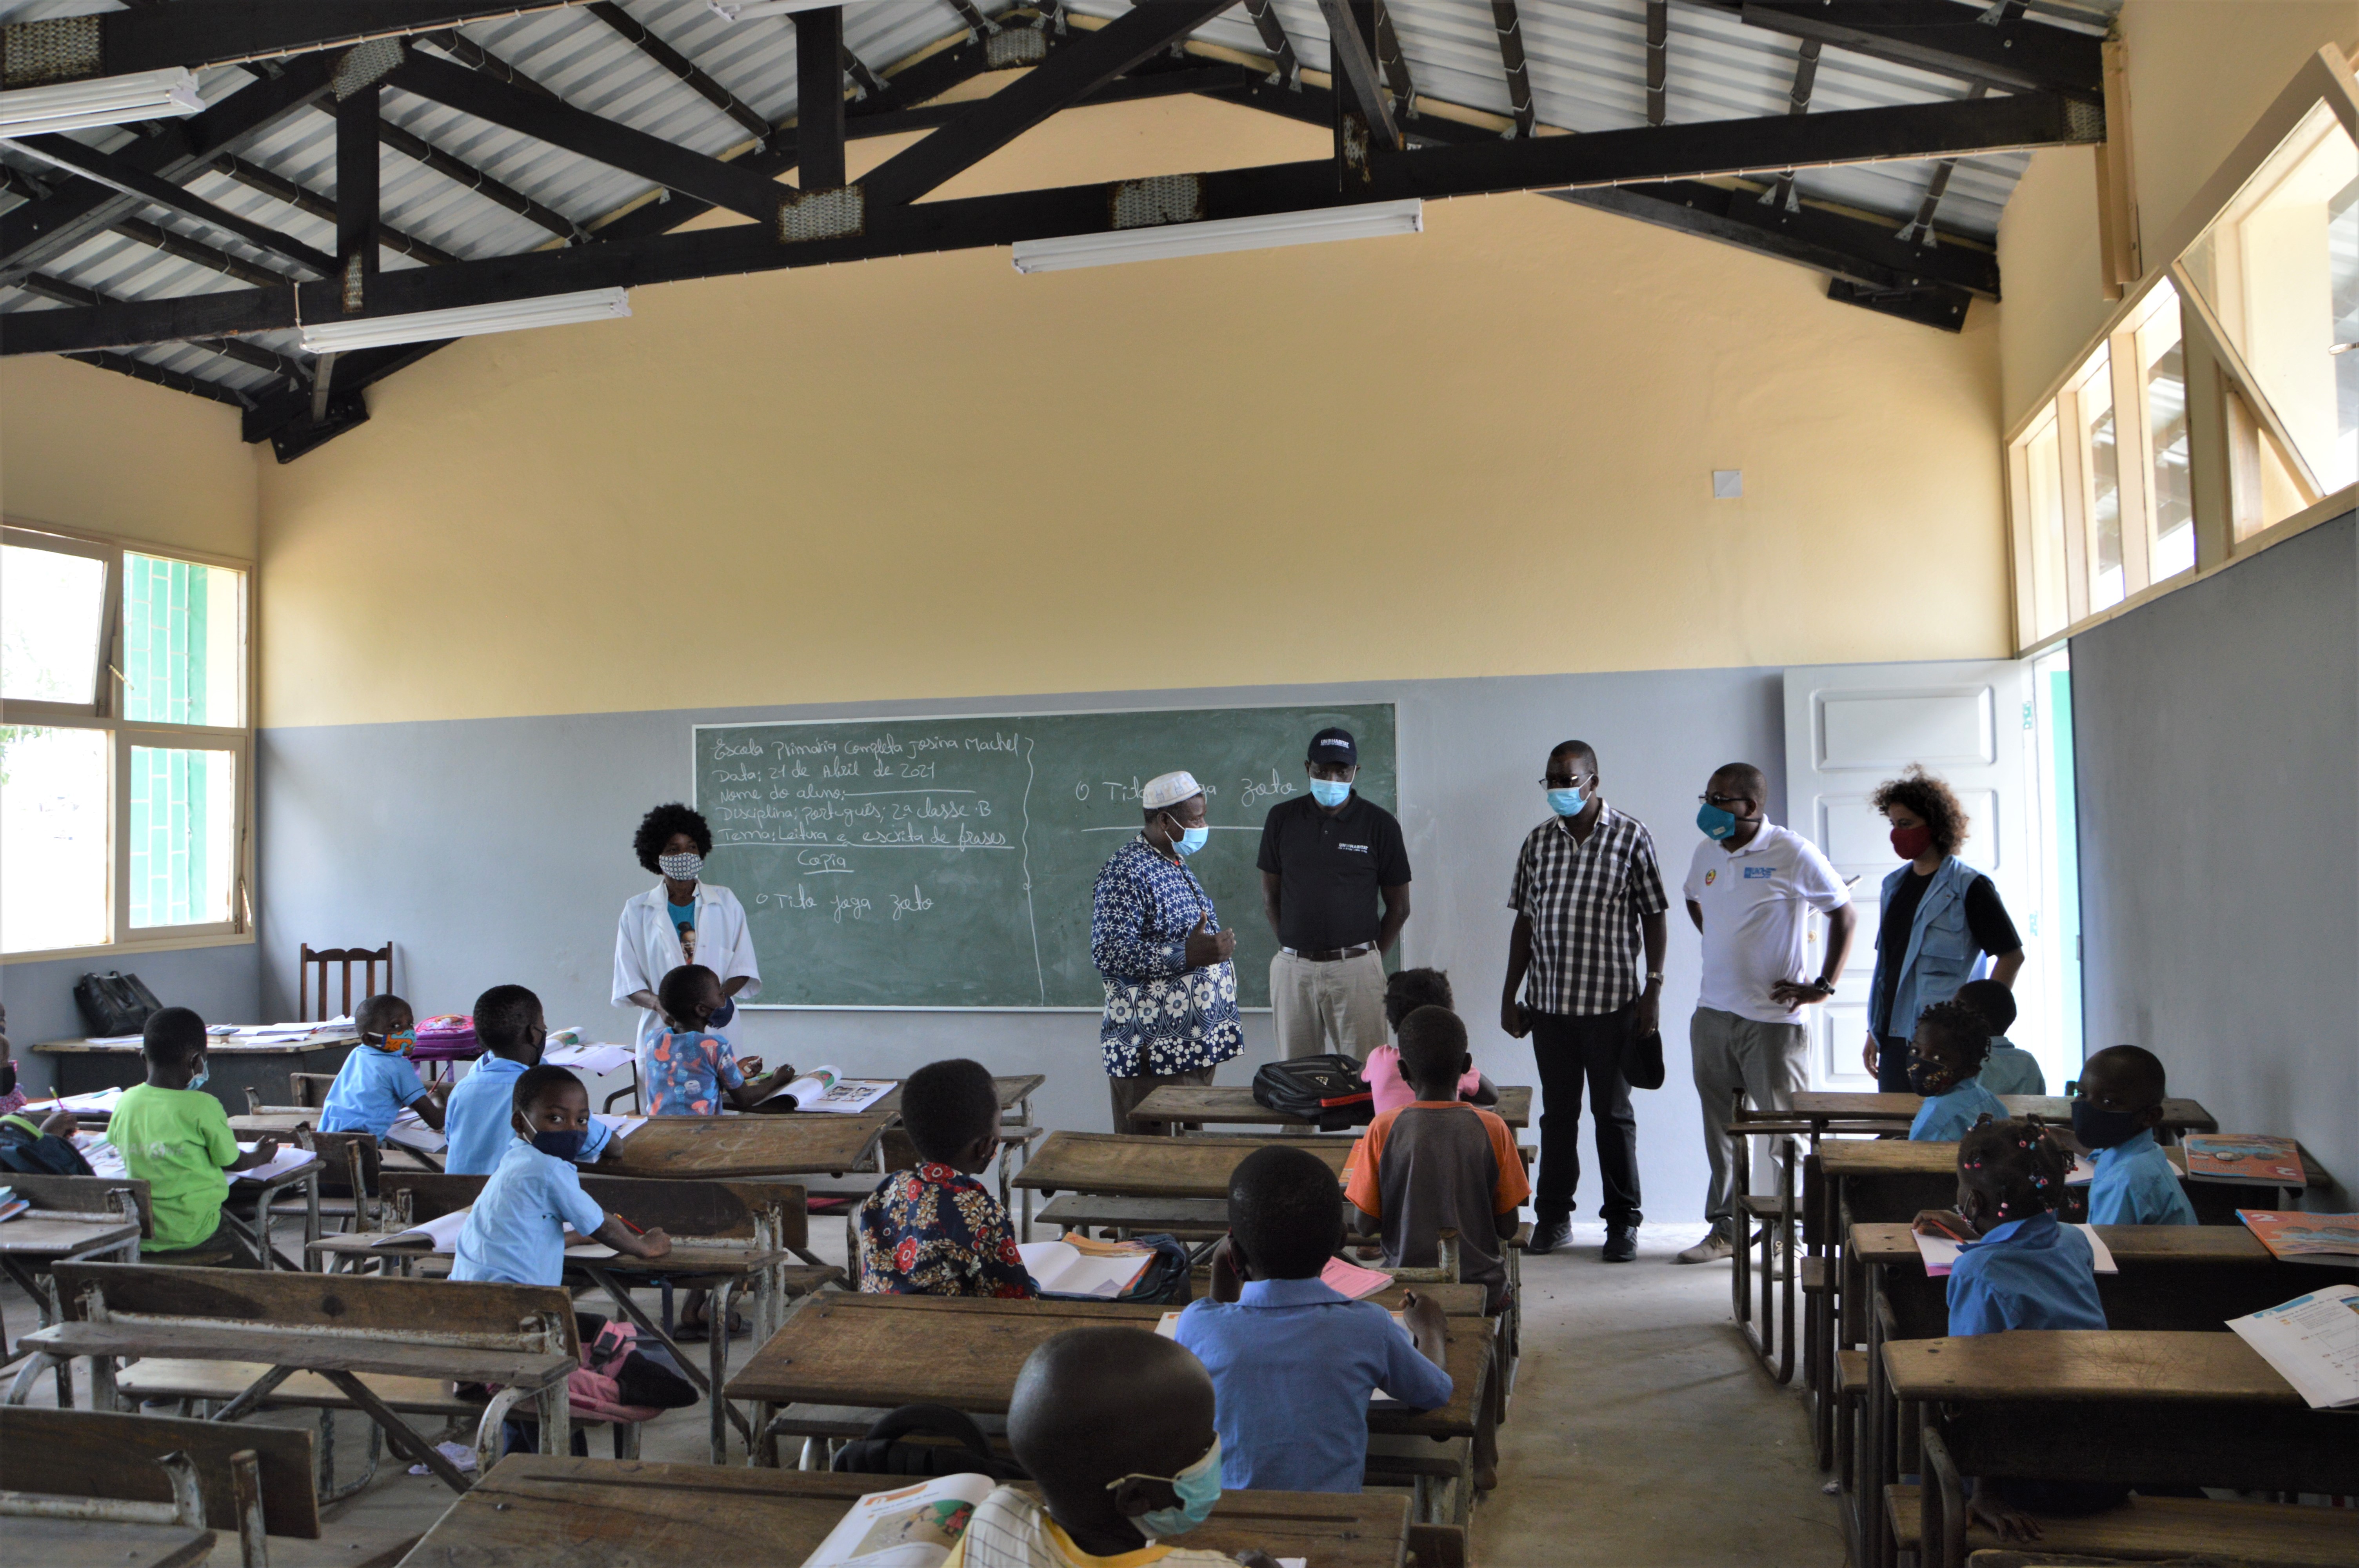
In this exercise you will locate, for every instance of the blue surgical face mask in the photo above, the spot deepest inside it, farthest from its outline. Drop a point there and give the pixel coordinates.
(560, 1145)
(1329, 793)
(204, 1071)
(1716, 824)
(1188, 840)
(1199, 1487)
(1566, 802)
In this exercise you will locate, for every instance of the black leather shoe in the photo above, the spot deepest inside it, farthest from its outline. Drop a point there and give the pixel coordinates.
(1621, 1244)
(1547, 1235)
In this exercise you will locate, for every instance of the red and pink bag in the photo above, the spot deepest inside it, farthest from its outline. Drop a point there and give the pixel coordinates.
(619, 1382)
(448, 1037)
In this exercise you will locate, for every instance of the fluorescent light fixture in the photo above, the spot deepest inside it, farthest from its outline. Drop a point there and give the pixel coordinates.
(746, 10)
(106, 101)
(1369, 220)
(465, 321)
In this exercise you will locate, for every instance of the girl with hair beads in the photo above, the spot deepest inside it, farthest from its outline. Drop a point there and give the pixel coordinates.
(2025, 1270)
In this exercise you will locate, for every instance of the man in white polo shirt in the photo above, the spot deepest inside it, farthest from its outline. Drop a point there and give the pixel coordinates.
(1750, 889)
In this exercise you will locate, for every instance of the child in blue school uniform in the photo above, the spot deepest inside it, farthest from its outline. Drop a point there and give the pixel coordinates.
(2024, 1271)
(1292, 1358)
(2114, 1117)
(513, 1032)
(2010, 1069)
(1945, 1064)
(515, 1232)
(377, 1081)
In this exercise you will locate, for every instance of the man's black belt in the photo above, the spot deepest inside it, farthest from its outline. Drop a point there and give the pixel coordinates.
(1328, 955)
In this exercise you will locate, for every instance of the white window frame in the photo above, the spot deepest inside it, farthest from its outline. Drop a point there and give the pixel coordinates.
(2217, 383)
(104, 713)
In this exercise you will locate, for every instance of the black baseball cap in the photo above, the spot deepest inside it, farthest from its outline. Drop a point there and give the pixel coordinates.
(1334, 746)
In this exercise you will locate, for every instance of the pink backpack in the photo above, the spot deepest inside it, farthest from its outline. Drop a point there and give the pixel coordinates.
(614, 1372)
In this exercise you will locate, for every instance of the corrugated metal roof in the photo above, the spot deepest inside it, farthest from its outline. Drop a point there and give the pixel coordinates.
(1587, 62)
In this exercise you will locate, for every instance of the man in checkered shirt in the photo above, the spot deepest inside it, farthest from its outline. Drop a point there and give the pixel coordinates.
(1588, 896)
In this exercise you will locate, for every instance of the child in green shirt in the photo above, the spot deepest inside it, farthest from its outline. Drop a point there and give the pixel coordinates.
(176, 1137)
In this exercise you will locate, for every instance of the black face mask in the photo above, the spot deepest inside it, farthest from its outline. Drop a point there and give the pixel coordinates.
(1930, 1078)
(2099, 1129)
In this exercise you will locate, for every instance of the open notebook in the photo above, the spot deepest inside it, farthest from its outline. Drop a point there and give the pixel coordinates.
(441, 1234)
(1068, 1269)
(827, 1089)
(1941, 1253)
(289, 1158)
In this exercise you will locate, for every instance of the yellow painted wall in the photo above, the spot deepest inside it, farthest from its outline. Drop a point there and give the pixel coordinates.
(86, 448)
(2200, 73)
(1481, 450)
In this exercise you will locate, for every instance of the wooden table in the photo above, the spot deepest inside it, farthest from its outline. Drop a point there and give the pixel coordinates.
(83, 1065)
(1822, 1107)
(796, 1145)
(1233, 1104)
(2171, 1278)
(37, 1239)
(1133, 1164)
(607, 1513)
(887, 1351)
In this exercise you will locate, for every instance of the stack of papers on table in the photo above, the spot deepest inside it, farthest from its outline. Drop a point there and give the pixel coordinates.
(2313, 1343)
(291, 1158)
(595, 1060)
(104, 1158)
(2329, 1239)
(1941, 1253)
(621, 1126)
(82, 1104)
(116, 1039)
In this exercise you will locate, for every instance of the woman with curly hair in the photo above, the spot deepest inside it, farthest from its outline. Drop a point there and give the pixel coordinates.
(682, 919)
(1940, 918)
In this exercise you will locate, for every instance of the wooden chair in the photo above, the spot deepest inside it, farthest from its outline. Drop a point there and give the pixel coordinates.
(309, 1090)
(319, 959)
(350, 1164)
(157, 1471)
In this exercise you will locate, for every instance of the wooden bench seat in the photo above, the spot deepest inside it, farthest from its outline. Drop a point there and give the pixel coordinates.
(2152, 1529)
(1851, 1374)
(464, 1364)
(158, 1378)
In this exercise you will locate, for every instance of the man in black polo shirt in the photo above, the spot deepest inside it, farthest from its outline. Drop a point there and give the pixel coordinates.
(1329, 860)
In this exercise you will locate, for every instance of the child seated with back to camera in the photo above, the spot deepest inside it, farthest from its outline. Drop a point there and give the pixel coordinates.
(2114, 1117)
(377, 1081)
(1945, 1063)
(934, 1230)
(1292, 1358)
(513, 1032)
(2010, 1069)
(2021, 1270)
(1405, 992)
(516, 1231)
(175, 1137)
(1439, 1164)
(1116, 1427)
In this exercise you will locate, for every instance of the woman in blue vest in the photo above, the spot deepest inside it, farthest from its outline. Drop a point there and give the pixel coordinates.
(1941, 917)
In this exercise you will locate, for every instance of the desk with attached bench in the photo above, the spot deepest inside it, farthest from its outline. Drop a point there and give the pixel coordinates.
(1177, 1105)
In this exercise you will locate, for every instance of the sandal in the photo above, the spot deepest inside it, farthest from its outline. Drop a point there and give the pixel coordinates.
(700, 1330)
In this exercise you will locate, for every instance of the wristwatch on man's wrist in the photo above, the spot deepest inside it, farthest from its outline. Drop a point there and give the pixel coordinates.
(1654, 977)
(1823, 986)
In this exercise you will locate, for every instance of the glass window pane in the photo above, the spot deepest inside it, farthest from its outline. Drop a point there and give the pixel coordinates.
(2043, 466)
(180, 642)
(53, 829)
(51, 609)
(183, 834)
(2102, 450)
(2173, 548)
(2280, 270)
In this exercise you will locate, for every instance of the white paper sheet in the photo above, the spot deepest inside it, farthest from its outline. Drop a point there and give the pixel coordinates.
(1061, 1266)
(2313, 1343)
(1941, 1253)
(291, 1157)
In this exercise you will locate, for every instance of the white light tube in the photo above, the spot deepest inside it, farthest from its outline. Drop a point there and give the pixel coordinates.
(465, 321)
(1367, 222)
(746, 10)
(106, 100)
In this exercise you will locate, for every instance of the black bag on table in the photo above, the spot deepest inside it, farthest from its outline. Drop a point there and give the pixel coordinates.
(883, 1452)
(1169, 1280)
(1326, 1091)
(115, 1003)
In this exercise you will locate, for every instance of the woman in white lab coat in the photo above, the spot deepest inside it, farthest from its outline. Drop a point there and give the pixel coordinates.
(681, 920)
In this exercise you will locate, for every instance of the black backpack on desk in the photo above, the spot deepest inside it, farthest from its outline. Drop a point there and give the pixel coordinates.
(115, 1003)
(1326, 1091)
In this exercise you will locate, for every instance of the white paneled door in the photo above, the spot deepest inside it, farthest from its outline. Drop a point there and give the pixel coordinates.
(1850, 727)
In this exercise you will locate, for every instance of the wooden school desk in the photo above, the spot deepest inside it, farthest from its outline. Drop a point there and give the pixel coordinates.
(72, 1219)
(518, 1337)
(880, 1352)
(236, 1064)
(599, 1513)
(1821, 1107)
(2123, 1405)
(689, 1146)
(2171, 1277)
(1135, 1164)
(1233, 1105)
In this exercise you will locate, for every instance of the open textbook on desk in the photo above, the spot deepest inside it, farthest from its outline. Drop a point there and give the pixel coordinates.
(2313, 1343)
(827, 1089)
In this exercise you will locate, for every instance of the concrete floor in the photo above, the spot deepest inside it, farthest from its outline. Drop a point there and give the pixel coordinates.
(1642, 1435)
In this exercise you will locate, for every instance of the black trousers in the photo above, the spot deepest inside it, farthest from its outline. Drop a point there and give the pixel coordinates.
(1567, 1050)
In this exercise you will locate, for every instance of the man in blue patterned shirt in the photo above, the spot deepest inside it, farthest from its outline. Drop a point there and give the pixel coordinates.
(1172, 990)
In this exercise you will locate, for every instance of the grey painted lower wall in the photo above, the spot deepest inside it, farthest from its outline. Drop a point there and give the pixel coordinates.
(499, 851)
(223, 984)
(2217, 735)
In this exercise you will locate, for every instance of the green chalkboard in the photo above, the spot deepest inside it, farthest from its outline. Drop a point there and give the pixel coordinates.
(948, 862)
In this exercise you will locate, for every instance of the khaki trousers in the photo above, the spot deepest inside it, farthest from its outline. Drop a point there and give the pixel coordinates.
(1336, 1008)
(1768, 1061)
